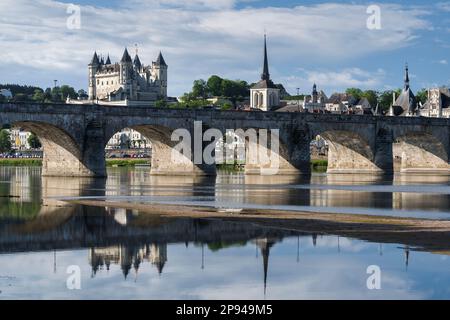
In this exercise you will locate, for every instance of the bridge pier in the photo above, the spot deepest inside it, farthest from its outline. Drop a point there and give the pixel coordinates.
(165, 162)
(348, 153)
(290, 157)
(422, 155)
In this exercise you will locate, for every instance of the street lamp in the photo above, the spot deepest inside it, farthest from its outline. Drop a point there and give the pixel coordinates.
(298, 99)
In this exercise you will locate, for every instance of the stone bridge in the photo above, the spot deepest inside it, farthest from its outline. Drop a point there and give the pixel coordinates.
(74, 138)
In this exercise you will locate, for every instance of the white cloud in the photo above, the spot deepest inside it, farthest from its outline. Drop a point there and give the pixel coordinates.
(332, 80)
(443, 61)
(198, 38)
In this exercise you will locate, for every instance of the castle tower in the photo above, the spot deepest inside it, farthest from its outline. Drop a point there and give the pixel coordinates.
(158, 256)
(265, 95)
(125, 76)
(160, 72)
(93, 67)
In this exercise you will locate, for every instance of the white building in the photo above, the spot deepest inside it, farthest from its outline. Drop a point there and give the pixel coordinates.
(128, 138)
(265, 95)
(316, 102)
(438, 104)
(19, 139)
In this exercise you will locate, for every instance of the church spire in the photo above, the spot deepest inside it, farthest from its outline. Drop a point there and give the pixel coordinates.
(406, 77)
(265, 75)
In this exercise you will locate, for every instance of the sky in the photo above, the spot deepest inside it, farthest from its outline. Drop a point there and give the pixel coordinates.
(328, 43)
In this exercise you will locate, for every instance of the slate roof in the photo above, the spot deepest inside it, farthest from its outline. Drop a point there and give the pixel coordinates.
(126, 56)
(160, 61)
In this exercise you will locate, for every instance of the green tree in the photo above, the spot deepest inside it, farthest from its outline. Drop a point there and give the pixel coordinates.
(422, 96)
(355, 93)
(200, 89)
(82, 94)
(162, 103)
(38, 95)
(34, 142)
(226, 106)
(20, 97)
(385, 99)
(68, 91)
(371, 96)
(214, 85)
(5, 141)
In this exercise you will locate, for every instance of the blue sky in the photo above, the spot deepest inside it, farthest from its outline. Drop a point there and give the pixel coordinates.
(309, 41)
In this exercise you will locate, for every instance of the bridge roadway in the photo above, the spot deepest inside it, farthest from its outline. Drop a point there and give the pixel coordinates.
(74, 138)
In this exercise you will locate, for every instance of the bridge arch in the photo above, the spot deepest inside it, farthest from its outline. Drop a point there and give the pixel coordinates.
(349, 151)
(162, 159)
(418, 151)
(63, 155)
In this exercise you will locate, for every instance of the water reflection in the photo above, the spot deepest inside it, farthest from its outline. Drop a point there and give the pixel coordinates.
(130, 254)
(24, 192)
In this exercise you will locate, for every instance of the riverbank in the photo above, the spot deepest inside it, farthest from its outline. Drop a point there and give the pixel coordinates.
(316, 165)
(38, 162)
(418, 234)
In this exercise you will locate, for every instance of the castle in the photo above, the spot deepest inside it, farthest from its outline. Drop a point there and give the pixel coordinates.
(127, 82)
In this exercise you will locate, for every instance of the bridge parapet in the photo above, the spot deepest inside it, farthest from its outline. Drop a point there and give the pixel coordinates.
(74, 137)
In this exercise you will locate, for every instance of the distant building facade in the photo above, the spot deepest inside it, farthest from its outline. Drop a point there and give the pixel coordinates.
(316, 102)
(265, 95)
(128, 138)
(438, 104)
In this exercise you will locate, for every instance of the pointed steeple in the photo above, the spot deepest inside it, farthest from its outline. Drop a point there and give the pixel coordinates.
(108, 60)
(95, 60)
(137, 62)
(160, 61)
(265, 245)
(265, 75)
(406, 77)
(126, 56)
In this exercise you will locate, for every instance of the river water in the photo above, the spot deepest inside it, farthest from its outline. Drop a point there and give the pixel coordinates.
(126, 254)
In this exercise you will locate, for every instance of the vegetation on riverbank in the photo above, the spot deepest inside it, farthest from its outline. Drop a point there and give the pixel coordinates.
(316, 165)
(38, 162)
(319, 166)
(127, 162)
(20, 162)
(231, 167)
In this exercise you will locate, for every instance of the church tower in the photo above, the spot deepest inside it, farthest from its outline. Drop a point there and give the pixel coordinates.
(265, 95)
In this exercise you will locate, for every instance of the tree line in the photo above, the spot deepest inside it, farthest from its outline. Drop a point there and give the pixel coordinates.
(58, 94)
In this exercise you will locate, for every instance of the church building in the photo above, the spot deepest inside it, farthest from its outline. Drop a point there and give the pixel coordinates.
(406, 104)
(265, 95)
